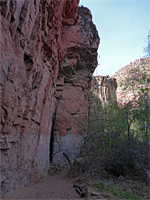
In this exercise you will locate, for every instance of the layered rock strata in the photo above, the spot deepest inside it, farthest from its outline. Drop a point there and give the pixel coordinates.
(48, 55)
(104, 87)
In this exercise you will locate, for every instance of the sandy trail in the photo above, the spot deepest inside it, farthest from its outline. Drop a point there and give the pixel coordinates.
(56, 186)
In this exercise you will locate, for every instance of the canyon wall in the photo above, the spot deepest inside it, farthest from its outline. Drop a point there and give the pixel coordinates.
(131, 79)
(73, 85)
(104, 87)
(48, 55)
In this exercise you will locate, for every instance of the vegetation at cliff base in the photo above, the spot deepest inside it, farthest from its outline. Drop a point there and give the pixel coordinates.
(117, 142)
(115, 192)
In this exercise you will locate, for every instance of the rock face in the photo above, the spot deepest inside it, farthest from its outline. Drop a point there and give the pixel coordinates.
(104, 87)
(48, 55)
(73, 84)
(134, 74)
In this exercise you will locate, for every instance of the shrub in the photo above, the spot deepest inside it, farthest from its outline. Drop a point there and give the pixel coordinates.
(114, 143)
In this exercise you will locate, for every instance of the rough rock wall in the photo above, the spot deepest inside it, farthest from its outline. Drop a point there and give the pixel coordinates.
(105, 88)
(75, 75)
(48, 55)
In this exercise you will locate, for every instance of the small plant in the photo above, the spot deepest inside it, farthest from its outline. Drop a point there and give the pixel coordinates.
(102, 187)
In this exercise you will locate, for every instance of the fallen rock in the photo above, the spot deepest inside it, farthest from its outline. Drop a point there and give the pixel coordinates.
(95, 193)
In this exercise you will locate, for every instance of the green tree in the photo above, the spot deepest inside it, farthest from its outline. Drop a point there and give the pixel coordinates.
(138, 111)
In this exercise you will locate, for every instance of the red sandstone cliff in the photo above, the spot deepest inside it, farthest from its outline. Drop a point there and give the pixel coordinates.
(48, 55)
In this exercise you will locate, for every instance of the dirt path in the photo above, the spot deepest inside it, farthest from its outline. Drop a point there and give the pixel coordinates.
(59, 186)
(56, 186)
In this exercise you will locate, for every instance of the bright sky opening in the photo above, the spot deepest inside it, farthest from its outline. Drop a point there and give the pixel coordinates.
(123, 27)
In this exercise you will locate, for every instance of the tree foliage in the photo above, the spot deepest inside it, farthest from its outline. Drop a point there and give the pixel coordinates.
(118, 137)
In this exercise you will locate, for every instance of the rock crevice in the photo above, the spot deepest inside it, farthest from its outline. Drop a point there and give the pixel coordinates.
(48, 55)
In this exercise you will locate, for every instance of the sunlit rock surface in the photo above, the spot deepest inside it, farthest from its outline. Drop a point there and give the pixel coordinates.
(48, 55)
(104, 87)
(125, 94)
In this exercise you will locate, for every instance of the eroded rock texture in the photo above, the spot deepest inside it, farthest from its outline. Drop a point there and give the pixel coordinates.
(48, 55)
(75, 75)
(104, 87)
